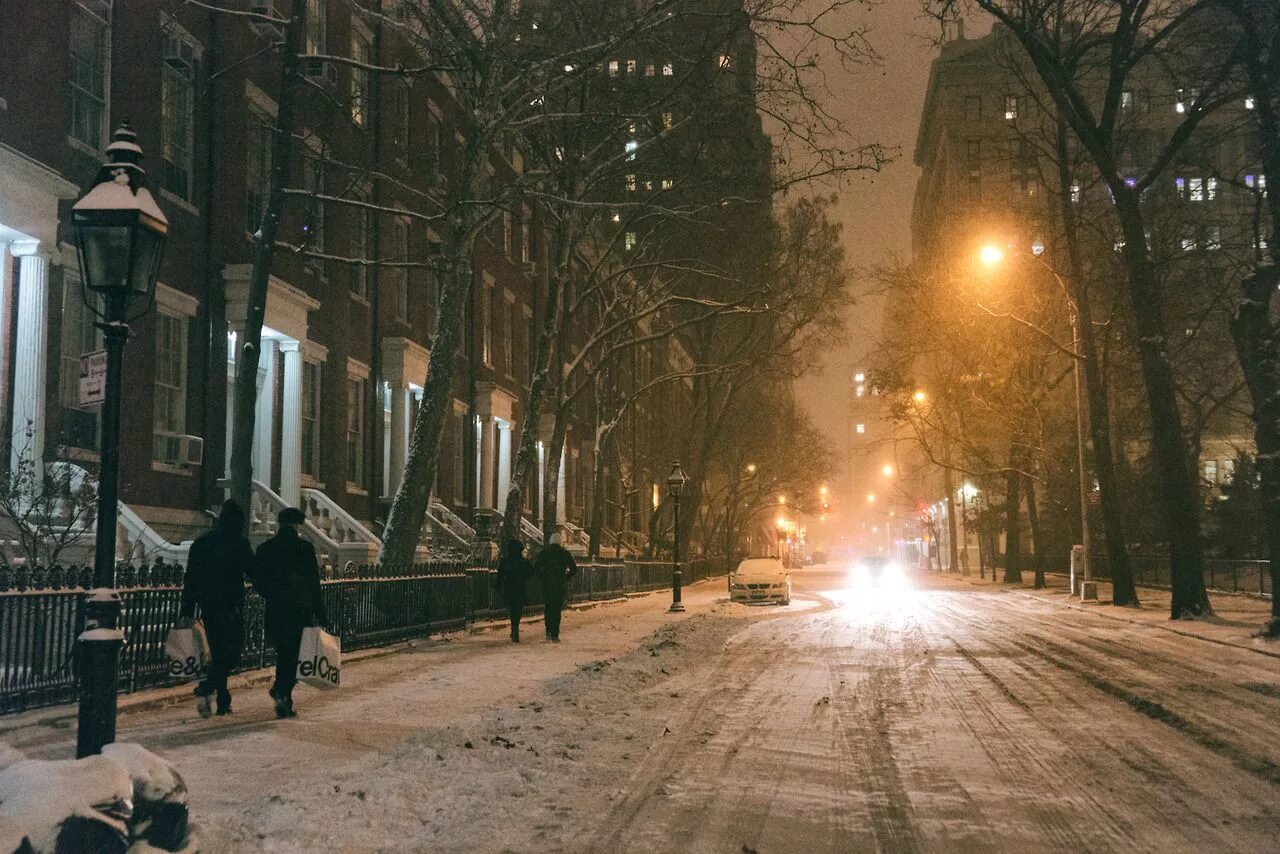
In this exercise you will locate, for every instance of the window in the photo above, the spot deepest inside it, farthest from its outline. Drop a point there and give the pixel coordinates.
(177, 114)
(1213, 237)
(668, 69)
(631, 183)
(257, 169)
(526, 235)
(170, 374)
(972, 108)
(432, 143)
(629, 240)
(859, 390)
(860, 429)
(1075, 194)
(508, 339)
(1024, 169)
(650, 70)
(313, 226)
(508, 234)
(400, 113)
(668, 120)
(631, 66)
(79, 336)
(630, 149)
(400, 254)
(361, 51)
(667, 183)
(355, 430)
(724, 61)
(1198, 189)
(486, 325)
(1188, 244)
(1248, 102)
(973, 161)
(1211, 471)
(361, 246)
(1010, 107)
(1186, 97)
(90, 54)
(1257, 183)
(311, 396)
(459, 455)
(1126, 99)
(613, 68)
(1228, 469)
(315, 35)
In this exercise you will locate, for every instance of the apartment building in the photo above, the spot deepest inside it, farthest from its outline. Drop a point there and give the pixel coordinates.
(353, 295)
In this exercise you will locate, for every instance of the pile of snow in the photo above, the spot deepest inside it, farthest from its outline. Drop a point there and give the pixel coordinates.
(125, 800)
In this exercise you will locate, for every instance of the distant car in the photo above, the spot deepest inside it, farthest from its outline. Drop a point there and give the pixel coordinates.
(760, 579)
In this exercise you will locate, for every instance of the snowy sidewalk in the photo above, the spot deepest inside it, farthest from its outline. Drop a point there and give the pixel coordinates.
(1236, 621)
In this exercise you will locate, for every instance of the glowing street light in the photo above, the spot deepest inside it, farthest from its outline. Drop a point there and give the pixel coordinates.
(871, 498)
(782, 499)
(919, 396)
(991, 255)
(887, 471)
(751, 468)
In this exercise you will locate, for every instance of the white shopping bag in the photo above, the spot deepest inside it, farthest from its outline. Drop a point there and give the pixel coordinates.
(188, 651)
(319, 658)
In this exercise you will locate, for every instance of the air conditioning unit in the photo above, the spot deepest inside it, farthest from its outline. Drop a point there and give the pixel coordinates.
(269, 10)
(190, 451)
(531, 268)
(320, 71)
(178, 53)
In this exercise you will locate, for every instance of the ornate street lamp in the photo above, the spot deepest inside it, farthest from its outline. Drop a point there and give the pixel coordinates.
(675, 486)
(120, 235)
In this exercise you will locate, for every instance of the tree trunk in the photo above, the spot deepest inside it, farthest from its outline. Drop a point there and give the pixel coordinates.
(1123, 591)
(1013, 521)
(596, 525)
(1037, 544)
(245, 391)
(1174, 468)
(1258, 348)
(551, 490)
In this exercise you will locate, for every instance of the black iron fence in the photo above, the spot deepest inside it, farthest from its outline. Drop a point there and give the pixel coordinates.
(42, 613)
(1252, 577)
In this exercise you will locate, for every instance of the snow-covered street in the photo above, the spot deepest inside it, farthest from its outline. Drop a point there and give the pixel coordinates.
(932, 716)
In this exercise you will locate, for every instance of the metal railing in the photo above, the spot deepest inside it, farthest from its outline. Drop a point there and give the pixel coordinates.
(42, 614)
(1250, 577)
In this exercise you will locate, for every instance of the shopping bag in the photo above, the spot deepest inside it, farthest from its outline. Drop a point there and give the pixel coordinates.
(187, 649)
(319, 658)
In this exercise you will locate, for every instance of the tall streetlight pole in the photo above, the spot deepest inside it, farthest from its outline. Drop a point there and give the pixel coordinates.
(993, 256)
(120, 235)
(675, 486)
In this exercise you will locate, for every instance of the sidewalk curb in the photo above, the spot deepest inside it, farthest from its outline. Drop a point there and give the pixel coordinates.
(1096, 611)
(159, 698)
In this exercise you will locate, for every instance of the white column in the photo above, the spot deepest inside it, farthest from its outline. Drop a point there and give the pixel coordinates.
(263, 431)
(31, 353)
(291, 425)
(504, 463)
(233, 341)
(399, 436)
(560, 496)
(542, 484)
(485, 498)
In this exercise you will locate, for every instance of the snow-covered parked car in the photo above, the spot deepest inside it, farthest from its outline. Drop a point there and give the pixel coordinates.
(760, 579)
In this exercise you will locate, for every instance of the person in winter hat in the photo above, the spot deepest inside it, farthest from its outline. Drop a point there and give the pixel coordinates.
(289, 579)
(218, 565)
(514, 572)
(555, 566)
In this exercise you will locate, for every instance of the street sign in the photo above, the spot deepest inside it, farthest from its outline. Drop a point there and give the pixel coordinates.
(93, 377)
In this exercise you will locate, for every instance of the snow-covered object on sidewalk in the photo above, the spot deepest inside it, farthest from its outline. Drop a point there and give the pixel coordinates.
(124, 800)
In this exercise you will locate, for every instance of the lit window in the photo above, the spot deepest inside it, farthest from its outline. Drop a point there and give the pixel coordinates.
(667, 183)
(668, 120)
(631, 66)
(631, 183)
(568, 68)
(1075, 194)
(648, 183)
(861, 428)
(629, 240)
(613, 68)
(859, 391)
(668, 69)
(1201, 189)
(1010, 107)
(1126, 99)
(650, 70)
(1256, 182)
(1181, 185)
(723, 61)
(1180, 105)
(1248, 103)
(1211, 471)
(616, 217)
(1213, 237)
(1188, 244)
(859, 377)
(630, 148)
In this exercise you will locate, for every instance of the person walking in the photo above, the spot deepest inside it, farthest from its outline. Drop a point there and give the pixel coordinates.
(555, 566)
(289, 579)
(219, 563)
(514, 572)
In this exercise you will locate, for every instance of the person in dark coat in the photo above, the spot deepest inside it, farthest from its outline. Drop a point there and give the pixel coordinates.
(514, 572)
(289, 579)
(218, 565)
(555, 566)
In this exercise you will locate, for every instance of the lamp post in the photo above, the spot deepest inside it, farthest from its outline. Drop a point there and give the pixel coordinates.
(675, 486)
(993, 256)
(120, 235)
